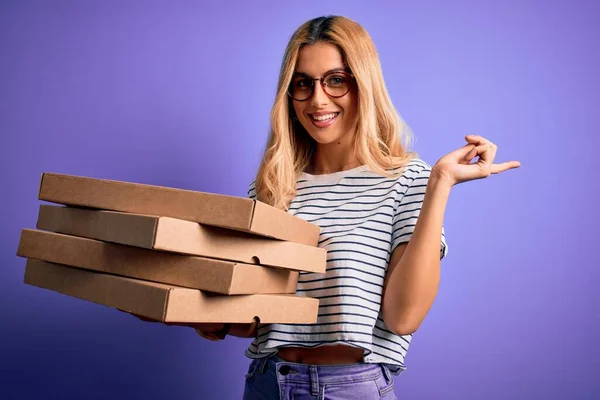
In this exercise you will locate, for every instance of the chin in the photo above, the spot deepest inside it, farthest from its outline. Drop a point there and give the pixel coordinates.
(325, 138)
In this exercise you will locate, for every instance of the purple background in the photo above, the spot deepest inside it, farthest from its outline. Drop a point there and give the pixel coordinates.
(179, 94)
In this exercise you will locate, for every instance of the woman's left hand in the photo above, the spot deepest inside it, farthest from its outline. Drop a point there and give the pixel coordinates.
(456, 167)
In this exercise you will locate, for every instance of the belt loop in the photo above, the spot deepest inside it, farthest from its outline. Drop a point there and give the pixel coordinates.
(263, 363)
(386, 372)
(314, 380)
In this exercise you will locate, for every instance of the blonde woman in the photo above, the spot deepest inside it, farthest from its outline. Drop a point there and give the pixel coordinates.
(338, 156)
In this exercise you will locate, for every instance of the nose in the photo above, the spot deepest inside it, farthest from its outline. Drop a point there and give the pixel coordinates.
(319, 97)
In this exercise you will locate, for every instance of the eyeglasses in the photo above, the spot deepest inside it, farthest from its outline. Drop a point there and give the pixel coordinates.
(334, 83)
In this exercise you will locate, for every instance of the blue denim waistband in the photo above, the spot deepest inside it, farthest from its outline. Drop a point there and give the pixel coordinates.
(324, 374)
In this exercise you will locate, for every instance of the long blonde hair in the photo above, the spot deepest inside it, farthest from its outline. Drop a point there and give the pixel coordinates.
(382, 138)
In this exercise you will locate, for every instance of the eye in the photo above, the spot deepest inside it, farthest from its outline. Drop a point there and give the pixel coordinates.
(302, 83)
(335, 80)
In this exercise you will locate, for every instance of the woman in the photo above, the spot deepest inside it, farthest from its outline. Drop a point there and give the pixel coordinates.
(337, 156)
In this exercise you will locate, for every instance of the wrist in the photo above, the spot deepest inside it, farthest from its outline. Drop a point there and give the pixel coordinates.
(439, 181)
(215, 335)
(246, 330)
(254, 327)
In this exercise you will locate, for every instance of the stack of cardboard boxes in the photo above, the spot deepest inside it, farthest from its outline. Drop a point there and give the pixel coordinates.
(171, 255)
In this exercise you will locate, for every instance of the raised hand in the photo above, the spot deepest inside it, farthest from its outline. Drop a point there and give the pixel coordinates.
(456, 167)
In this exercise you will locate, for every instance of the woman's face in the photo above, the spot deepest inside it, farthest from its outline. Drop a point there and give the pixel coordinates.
(327, 119)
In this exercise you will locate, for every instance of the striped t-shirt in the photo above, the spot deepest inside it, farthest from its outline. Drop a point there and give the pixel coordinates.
(363, 217)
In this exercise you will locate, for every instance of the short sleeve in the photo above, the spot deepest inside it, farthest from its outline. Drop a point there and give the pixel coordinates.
(252, 191)
(411, 192)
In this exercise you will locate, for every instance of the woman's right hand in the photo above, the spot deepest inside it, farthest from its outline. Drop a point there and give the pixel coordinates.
(240, 330)
(204, 327)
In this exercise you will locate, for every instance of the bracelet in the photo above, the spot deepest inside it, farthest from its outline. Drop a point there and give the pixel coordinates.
(215, 336)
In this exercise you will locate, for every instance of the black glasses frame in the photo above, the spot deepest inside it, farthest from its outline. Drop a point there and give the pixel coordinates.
(323, 85)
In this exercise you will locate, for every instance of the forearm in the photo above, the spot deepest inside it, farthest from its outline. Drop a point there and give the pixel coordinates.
(216, 331)
(413, 283)
(243, 330)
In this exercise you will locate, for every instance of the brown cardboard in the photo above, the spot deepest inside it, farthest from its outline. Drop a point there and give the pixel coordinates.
(230, 212)
(169, 303)
(181, 236)
(187, 271)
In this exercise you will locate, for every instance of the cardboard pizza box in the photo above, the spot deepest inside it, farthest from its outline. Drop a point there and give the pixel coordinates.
(231, 212)
(225, 277)
(169, 303)
(181, 236)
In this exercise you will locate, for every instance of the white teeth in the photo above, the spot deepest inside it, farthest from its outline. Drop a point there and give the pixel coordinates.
(324, 117)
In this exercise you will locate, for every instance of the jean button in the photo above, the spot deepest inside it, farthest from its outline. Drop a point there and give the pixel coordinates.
(284, 370)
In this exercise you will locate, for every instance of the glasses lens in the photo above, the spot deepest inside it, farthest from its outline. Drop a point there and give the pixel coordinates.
(301, 88)
(337, 85)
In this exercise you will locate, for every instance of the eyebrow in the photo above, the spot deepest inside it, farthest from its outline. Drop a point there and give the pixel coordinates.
(339, 69)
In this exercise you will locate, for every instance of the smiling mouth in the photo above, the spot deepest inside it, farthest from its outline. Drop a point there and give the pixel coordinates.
(324, 117)
(323, 120)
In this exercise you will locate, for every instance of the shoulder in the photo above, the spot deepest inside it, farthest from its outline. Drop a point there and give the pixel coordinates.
(413, 171)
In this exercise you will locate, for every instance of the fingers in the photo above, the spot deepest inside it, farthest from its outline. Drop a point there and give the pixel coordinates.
(470, 155)
(465, 154)
(209, 327)
(486, 150)
(505, 166)
(482, 144)
(461, 154)
(205, 327)
(141, 317)
(475, 139)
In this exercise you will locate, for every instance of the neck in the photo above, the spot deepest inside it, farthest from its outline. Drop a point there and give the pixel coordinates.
(333, 157)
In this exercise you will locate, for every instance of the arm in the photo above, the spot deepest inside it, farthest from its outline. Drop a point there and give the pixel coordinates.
(218, 331)
(243, 330)
(239, 330)
(413, 275)
(209, 329)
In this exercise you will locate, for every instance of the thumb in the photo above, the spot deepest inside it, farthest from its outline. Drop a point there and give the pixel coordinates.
(469, 155)
(463, 153)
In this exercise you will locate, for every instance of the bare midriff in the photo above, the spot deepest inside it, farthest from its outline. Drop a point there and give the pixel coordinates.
(323, 355)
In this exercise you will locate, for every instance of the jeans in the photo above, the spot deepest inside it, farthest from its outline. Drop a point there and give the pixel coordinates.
(274, 379)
